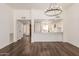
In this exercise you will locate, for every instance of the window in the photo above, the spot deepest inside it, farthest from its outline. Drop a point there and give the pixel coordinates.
(48, 26)
(44, 27)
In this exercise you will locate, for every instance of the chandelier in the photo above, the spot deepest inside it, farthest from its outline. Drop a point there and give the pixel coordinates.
(53, 10)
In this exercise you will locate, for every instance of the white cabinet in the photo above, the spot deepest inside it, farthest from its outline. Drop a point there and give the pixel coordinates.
(47, 37)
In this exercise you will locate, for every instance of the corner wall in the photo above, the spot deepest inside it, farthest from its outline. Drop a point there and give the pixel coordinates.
(71, 25)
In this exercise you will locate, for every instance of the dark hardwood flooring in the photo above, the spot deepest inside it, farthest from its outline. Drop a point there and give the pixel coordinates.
(24, 48)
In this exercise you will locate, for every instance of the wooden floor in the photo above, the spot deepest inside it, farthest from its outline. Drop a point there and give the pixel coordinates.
(22, 48)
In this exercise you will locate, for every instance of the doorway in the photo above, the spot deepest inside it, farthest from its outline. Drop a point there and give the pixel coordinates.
(24, 30)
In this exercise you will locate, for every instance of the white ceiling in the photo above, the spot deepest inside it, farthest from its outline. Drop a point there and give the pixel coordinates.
(36, 5)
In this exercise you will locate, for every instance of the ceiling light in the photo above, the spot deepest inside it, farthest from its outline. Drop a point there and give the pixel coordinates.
(53, 10)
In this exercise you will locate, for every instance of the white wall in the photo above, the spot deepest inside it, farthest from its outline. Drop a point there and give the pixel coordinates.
(71, 26)
(5, 30)
(18, 13)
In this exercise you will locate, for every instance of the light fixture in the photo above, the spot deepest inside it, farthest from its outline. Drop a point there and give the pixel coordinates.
(53, 10)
